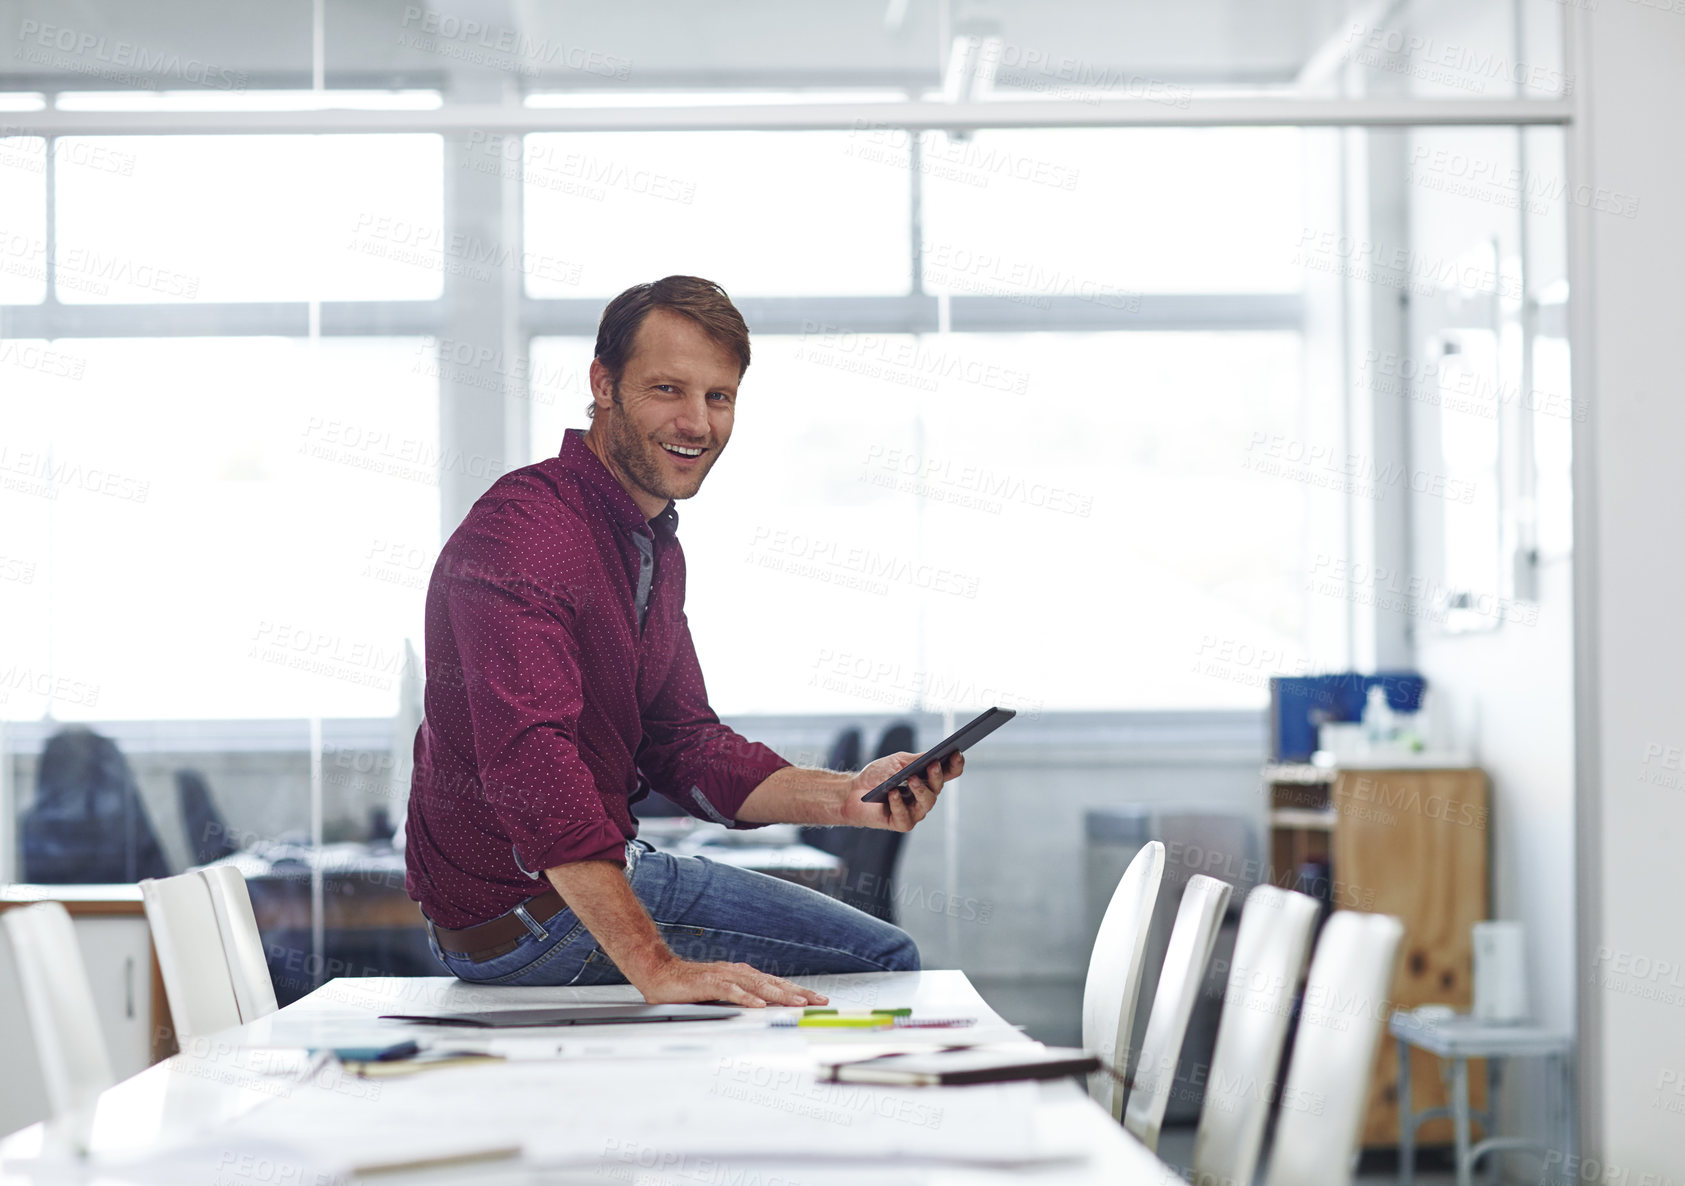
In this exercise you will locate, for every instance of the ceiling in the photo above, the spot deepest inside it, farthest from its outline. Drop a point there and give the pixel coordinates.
(1044, 45)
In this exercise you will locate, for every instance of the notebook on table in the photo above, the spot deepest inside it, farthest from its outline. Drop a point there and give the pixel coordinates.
(971, 1065)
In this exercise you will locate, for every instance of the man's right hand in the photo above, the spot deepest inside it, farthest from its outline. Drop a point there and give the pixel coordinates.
(679, 981)
(599, 896)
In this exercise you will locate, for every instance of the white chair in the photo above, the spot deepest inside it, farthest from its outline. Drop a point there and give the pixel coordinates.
(59, 1005)
(1114, 973)
(242, 946)
(1269, 958)
(1185, 959)
(1327, 1089)
(189, 946)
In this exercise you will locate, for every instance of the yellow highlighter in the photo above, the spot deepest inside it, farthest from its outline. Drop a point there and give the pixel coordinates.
(817, 1018)
(849, 1023)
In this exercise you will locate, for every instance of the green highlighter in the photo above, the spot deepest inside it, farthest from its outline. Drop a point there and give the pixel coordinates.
(816, 1018)
(820, 1011)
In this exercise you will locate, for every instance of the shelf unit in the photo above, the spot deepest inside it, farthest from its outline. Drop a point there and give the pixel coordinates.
(1411, 842)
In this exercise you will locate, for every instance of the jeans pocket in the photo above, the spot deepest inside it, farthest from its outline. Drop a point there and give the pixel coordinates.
(568, 940)
(596, 968)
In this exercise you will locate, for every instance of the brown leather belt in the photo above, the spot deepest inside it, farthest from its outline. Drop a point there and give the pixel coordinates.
(498, 937)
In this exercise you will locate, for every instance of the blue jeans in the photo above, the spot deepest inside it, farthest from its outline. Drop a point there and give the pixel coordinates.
(705, 911)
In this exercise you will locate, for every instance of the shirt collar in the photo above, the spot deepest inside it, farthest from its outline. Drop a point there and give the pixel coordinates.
(577, 457)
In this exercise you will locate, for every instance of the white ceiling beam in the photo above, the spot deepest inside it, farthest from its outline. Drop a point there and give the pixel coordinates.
(1115, 113)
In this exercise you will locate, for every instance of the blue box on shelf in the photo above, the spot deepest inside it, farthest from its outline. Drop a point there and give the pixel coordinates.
(1298, 704)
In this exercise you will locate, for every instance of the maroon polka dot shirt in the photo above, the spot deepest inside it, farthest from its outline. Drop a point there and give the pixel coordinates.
(562, 686)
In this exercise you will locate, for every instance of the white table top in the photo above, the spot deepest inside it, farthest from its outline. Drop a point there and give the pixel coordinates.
(714, 1102)
(800, 858)
(1463, 1035)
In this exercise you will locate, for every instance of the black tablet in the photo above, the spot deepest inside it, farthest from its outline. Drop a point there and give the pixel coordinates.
(966, 737)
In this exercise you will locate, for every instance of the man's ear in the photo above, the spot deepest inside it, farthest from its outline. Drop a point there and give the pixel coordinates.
(602, 386)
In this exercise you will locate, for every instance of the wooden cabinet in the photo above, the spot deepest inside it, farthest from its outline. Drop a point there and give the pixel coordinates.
(1408, 842)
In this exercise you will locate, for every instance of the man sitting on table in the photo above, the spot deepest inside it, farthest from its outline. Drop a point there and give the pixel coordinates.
(562, 686)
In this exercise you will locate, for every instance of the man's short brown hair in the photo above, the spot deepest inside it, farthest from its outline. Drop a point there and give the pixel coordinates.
(703, 301)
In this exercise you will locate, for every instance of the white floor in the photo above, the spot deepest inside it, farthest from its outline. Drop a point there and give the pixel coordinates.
(1176, 1145)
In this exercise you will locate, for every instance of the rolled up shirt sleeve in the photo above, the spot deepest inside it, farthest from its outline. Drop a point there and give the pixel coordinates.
(688, 756)
(514, 629)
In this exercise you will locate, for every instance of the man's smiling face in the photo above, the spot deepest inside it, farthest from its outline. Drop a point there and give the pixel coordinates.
(664, 424)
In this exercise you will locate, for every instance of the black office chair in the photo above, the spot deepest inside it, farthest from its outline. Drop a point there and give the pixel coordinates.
(899, 738)
(207, 831)
(844, 756)
(88, 823)
(870, 855)
(845, 750)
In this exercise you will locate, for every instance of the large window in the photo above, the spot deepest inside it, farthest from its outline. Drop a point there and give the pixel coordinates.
(1098, 213)
(209, 523)
(1046, 462)
(218, 509)
(997, 377)
(259, 564)
(797, 214)
(1053, 520)
(192, 218)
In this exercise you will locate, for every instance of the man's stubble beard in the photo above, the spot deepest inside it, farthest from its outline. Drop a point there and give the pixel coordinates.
(635, 456)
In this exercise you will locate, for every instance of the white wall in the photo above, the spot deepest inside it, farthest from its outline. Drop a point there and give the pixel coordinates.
(1631, 504)
(1505, 688)
(1511, 692)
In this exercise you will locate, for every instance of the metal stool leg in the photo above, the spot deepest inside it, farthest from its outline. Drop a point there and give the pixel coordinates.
(1490, 1119)
(1562, 1112)
(1406, 1119)
(1460, 1119)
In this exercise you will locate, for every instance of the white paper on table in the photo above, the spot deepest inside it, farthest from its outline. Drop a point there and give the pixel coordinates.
(747, 1107)
(246, 1161)
(338, 1125)
(591, 1112)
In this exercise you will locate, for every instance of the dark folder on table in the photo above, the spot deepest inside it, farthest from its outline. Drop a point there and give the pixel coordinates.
(975, 1065)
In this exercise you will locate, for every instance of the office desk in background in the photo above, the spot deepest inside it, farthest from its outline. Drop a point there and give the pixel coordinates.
(775, 850)
(372, 928)
(751, 1083)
